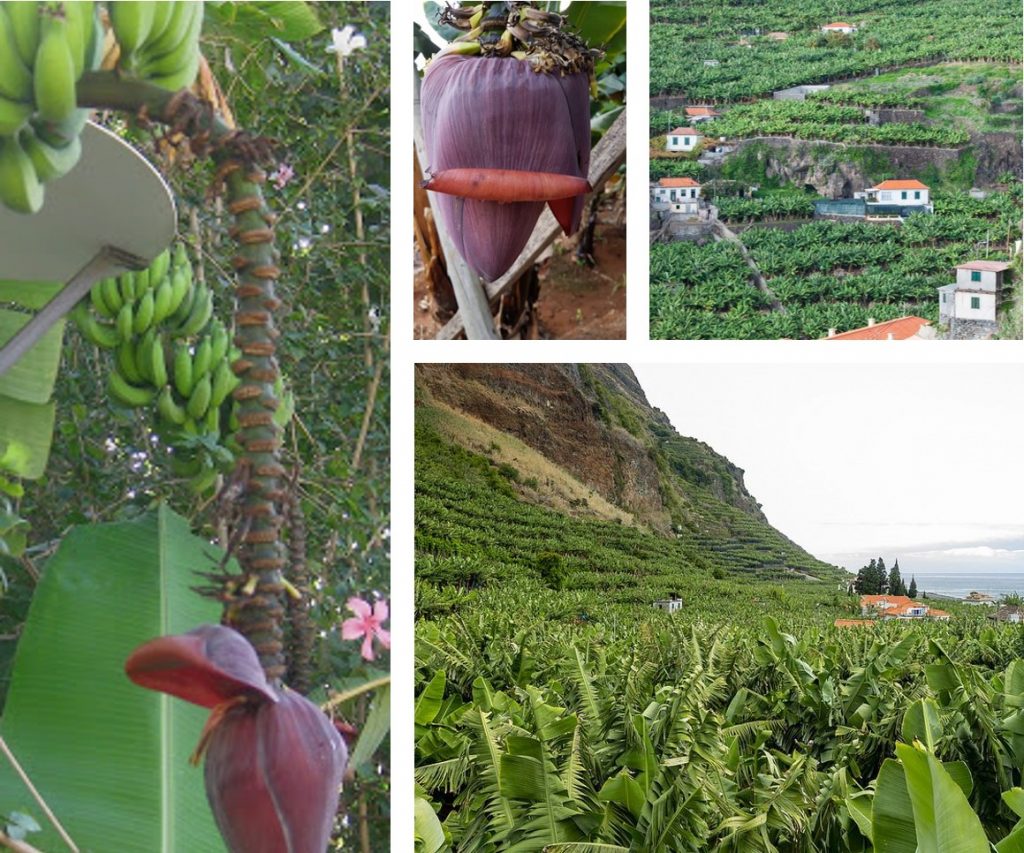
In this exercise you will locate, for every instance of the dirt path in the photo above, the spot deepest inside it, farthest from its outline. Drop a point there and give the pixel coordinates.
(725, 234)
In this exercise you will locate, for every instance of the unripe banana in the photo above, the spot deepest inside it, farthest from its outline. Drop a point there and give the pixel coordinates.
(14, 115)
(224, 382)
(128, 394)
(111, 295)
(159, 268)
(161, 16)
(53, 77)
(200, 315)
(94, 331)
(60, 134)
(78, 14)
(25, 22)
(50, 162)
(199, 402)
(169, 410)
(211, 422)
(99, 306)
(183, 371)
(158, 363)
(180, 257)
(142, 282)
(15, 75)
(131, 21)
(127, 363)
(144, 313)
(162, 301)
(190, 427)
(94, 50)
(126, 286)
(180, 288)
(173, 35)
(189, 300)
(219, 342)
(20, 188)
(201, 361)
(124, 322)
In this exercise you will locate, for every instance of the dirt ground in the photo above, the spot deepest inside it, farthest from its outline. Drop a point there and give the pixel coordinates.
(576, 302)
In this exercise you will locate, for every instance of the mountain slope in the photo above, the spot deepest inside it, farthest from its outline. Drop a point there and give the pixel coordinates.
(515, 460)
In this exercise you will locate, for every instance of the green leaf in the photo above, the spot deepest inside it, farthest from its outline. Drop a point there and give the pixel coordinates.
(29, 294)
(944, 820)
(1014, 685)
(110, 758)
(284, 19)
(624, 790)
(1014, 799)
(941, 676)
(860, 810)
(892, 821)
(374, 730)
(26, 431)
(921, 722)
(429, 833)
(31, 377)
(600, 25)
(429, 701)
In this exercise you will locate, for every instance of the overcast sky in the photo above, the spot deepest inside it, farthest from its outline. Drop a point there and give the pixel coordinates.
(920, 462)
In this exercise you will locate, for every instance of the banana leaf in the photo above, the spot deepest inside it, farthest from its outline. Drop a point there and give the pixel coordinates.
(110, 758)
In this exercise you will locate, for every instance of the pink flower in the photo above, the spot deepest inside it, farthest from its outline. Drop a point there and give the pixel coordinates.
(282, 175)
(367, 624)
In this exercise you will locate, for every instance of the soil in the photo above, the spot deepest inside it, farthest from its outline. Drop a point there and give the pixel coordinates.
(576, 302)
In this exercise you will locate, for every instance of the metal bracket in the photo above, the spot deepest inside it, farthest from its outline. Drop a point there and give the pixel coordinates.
(106, 262)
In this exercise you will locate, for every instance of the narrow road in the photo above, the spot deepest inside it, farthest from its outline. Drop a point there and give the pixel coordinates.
(759, 281)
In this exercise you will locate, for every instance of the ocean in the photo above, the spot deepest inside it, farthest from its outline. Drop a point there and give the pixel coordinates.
(959, 585)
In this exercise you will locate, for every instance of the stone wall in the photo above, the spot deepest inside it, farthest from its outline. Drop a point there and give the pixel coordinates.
(971, 330)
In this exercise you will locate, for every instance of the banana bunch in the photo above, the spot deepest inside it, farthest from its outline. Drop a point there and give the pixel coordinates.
(159, 39)
(168, 352)
(44, 49)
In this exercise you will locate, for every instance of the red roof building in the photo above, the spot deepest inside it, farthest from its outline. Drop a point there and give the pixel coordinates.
(677, 182)
(900, 185)
(700, 112)
(898, 607)
(985, 266)
(683, 131)
(899, 329)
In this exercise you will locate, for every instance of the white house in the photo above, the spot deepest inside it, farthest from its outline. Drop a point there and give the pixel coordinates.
(975, 294)
(897, 192)
(669, 605)
(680, 195)
(682, 139)
(898, 607)
(839, 27)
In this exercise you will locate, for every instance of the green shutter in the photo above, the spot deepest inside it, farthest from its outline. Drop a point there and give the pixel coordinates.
(975, 275)
(975, 302)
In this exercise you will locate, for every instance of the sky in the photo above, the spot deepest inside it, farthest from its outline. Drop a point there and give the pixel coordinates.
(924, 463)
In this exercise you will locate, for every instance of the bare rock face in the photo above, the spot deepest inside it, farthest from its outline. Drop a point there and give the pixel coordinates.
(595, 422)
(997, 153)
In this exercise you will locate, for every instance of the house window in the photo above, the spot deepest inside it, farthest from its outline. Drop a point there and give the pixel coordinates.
(917, 194)
(975, 275)
(675, 140)
(943, 298)
(903, 196)
(686, 140)
(975, 302)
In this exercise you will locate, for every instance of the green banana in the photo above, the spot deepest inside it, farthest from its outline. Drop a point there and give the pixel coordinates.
(173, 35)
(111, 295)
(20, 188)
(144, 313)
(219, 342)
(53, 78)
(162, 301)
(98, 333)
(127, 393)
(201, 361)
(50, 162)
(183, 371)
(25, 22)
(158, 363)
(128, 364)
(60, 133)
(15, 75)
(144, 356)
(199, 401)
(202, 310)
(78, 14)
(99, 306)
(211, 422)
(132, 21)
(161, 16)
(125, 322)
(224, 382)
(13, 116)
(169, 410)
(142, 282)
(181, 287)
(180, 257)
(159, 268)
(126, 286)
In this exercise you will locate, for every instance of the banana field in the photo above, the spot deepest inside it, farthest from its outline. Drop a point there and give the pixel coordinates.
(750, 63)
(194, 496)
(825, 274)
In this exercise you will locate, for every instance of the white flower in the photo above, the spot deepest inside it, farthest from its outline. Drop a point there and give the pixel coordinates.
(346, 40)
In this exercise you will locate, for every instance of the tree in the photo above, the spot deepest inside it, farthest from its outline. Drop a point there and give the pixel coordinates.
(881, 577)
(896, 585)
(912, 592)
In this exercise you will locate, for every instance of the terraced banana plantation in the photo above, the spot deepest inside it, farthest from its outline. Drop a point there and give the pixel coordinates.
(557, 710)
(170, 518)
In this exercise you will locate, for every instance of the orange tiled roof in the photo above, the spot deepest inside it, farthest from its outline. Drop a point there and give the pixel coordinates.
(683, 131)
(986, 266)
(678, 182)
(838, 24)
(900, 329)
(852, 623)
(901, 185)
(897, 600)
(700, 111)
